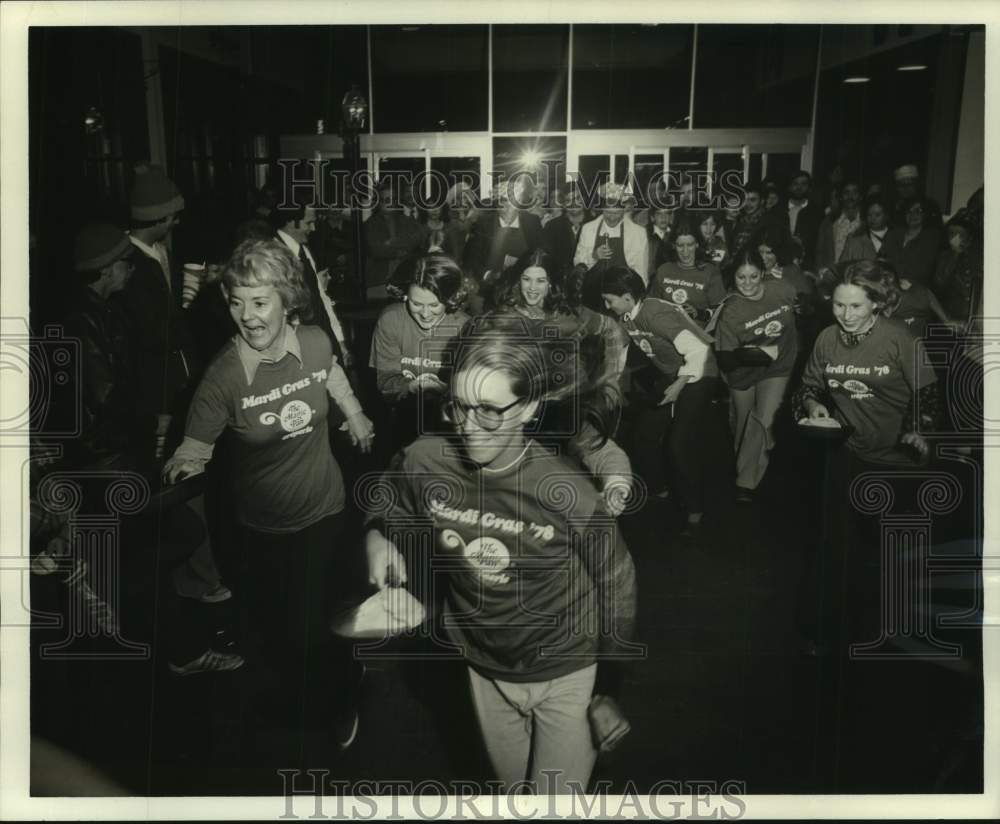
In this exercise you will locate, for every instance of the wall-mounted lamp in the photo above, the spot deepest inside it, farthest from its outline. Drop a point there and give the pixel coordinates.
(354, 109)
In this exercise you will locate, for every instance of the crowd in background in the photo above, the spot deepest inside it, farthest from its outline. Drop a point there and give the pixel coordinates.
(691, 329)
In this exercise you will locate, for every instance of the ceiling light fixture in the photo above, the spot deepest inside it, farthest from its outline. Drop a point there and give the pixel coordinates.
(856, 79)
(915, 67)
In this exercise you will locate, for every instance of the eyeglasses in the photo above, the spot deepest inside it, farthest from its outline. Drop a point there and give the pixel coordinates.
(488, 418)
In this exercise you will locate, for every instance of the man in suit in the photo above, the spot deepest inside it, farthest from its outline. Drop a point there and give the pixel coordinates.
(503, 234)
(158, 329)
(804, 216)
(293, 227)
(561, 234)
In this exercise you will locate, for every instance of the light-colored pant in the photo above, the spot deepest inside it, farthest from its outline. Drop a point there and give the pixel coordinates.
(541, 725)
(753, 417)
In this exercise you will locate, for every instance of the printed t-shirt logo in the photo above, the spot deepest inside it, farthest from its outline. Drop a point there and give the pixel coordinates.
(294, 418)
(857, 389)
(773, 329)
(679, 295)
(646, 346)
(488, 556)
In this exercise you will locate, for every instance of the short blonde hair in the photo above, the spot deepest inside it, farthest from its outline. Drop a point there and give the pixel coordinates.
(270, 263)
(878, 283)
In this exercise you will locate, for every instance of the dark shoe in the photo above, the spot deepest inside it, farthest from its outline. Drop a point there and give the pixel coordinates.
(209, 661)
(744, 495)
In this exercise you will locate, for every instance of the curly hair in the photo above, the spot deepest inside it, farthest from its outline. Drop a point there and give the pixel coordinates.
(438, 274)
(879, 283)
(689, 225)
(270, 263)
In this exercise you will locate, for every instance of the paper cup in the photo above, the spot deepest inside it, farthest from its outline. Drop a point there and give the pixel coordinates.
(194, 274)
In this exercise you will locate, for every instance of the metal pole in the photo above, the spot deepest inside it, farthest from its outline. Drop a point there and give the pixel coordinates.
(353, 144)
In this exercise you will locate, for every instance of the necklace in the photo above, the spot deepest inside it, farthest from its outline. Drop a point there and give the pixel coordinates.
(852, 339)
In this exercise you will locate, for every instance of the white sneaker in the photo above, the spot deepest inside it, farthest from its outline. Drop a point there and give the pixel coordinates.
(209, 661)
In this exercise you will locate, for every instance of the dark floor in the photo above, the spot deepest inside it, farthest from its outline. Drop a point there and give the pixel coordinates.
(724, 695)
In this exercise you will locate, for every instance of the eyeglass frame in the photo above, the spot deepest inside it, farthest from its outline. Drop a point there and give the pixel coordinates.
(457, 413)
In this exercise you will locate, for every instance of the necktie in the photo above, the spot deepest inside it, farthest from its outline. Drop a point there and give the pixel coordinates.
(306, 263)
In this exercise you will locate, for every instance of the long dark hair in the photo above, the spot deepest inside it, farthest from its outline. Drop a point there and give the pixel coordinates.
(689, 225)
(507, 294)
(776, 240)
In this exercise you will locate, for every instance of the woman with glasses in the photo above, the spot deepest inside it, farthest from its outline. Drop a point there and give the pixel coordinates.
(914, 251)
(540, 585)
(410, 341)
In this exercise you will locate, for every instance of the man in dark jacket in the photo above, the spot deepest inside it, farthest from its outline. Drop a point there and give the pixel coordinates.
(293, 226)
(391, 235)
(561, 234)
(158, 328)
(804, 216)
(503, 234)
(106, 389)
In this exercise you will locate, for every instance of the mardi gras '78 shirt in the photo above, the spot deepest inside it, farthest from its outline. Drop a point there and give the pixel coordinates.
(401, 350)
(871, 385)
(539, 580)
